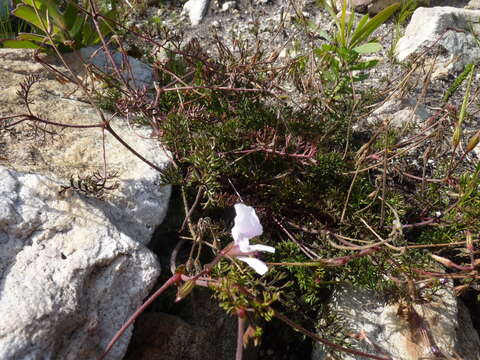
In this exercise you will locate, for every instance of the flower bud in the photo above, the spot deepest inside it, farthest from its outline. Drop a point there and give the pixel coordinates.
(458, 290)
(473, 142)
(442, 260)
(186, 289)
(180, 269)
(456, 135)
(241, 312)
(469, 242)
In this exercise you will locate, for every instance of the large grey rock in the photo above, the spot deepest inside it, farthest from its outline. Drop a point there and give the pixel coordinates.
(389, 329)
(69, 277)
(72, 268)
(449, 30)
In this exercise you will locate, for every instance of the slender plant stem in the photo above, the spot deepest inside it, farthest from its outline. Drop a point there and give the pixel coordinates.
(241, 330)
(173, 280)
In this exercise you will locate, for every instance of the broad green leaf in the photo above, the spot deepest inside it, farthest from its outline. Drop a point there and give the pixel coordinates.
(368, 48)
(51, 6)
(105, 25)
(362, 23)
(89, 35)
(28, 14)
(75, 31)
(20, 44)
(362, 34)
(40, 39)
(70, 15)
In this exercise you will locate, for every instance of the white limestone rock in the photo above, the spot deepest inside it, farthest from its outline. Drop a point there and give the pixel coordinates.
(449, 30)
(140, 202)
(228, 5)
(69, 277)
(72, 268)
(399, 113)
(473, 4)
(388, 329)
(196, 10)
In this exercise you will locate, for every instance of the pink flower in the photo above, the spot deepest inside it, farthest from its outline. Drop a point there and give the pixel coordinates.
(247, 226)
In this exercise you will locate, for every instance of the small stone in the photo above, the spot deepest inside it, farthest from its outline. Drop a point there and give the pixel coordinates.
(228, 5)
(196, 10)
(473, 4)
(400, 113)
(445, 319)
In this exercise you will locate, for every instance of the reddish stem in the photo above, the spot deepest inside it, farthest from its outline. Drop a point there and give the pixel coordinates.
(241, 330)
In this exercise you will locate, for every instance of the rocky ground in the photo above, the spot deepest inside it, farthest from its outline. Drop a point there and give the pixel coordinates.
(275, 26)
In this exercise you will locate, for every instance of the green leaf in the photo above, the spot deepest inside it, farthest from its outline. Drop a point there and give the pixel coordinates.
(368, 48)
(324, 35)
(365, 31)
(75, 31)
(39, 39)
(89, 35)
(53, 12)
(20, 44)
(35, 4)
(362, 23)
(32, 37)
(466, 97)
(342, 24)
(28, 14)
(360, 77)
(364, 65)
(106, 26)
(70, 15)
(351, 22)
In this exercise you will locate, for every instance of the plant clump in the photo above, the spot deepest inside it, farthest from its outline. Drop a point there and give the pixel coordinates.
(338, 205)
